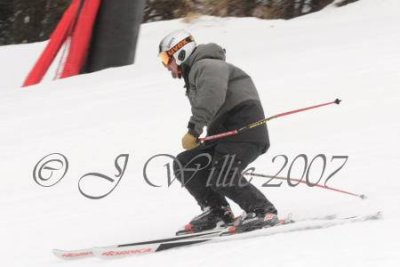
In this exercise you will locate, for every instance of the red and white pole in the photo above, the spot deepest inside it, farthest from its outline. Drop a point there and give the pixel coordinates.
(261, 122)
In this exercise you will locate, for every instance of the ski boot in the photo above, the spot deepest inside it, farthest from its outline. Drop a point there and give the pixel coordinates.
(210, 219)
(254, 220)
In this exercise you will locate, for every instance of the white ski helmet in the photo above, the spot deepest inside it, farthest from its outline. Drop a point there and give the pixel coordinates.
(178, 44)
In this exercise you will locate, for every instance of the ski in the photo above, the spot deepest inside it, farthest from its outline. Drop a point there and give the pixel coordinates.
(153, 246)
(285, 227)
(89, 252)
(139, 249)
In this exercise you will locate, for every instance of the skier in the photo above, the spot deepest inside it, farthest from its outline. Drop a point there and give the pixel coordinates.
(222, 98)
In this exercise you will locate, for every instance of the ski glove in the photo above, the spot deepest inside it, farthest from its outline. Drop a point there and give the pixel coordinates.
(189, 141)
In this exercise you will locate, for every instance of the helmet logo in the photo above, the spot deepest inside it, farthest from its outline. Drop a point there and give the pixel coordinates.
(182, 55)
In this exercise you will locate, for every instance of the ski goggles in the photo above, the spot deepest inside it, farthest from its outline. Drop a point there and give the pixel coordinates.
(166, 56)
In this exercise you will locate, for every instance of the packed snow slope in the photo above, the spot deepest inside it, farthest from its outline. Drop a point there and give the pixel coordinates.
(351, 52)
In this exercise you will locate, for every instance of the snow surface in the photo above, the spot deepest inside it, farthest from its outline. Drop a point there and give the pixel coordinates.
(351, 52)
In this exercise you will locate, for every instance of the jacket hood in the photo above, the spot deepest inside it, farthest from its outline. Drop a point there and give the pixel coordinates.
(203, 51)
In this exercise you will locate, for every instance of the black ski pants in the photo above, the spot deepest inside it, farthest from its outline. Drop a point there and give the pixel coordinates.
(212, 172)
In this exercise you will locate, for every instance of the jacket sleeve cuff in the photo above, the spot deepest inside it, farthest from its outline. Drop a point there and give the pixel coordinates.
(194, 129)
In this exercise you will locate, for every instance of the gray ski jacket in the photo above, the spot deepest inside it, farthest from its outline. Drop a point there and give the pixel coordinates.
(222, 97)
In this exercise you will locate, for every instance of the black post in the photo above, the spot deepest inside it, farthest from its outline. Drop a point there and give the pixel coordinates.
(115, 34)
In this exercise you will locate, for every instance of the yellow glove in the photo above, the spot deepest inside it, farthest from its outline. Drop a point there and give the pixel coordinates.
(189, 141)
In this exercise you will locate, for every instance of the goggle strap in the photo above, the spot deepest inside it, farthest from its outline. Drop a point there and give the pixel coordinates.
(179, 45)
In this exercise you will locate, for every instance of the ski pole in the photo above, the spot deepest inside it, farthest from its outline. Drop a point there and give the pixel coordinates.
(263, 121)
(301, 181)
